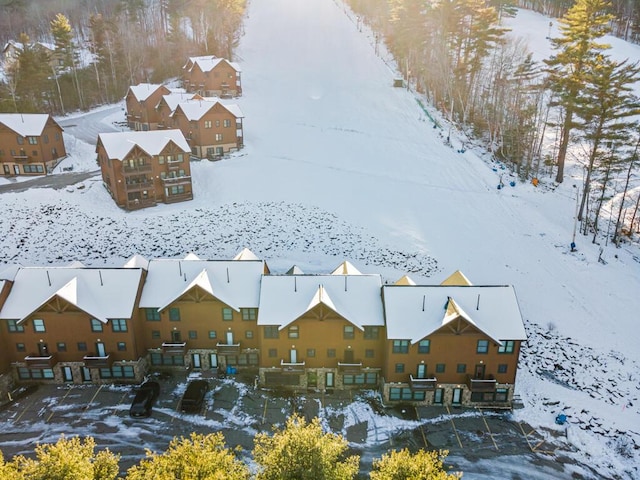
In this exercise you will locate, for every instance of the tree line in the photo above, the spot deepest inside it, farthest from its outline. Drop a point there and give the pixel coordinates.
(101, 47)
(528, 113)
(298, 451)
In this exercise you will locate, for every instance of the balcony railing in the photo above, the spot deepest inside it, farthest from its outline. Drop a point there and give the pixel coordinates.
(169, 181)
(174, 348)
(138, 186)
(228, 348)
(140, 203)
(292, 367)
(353, 366)
(481, 385)
(96, 361)
(34, 360)
(423, 383)
(145, 167)
(178, 197)
(21, 158)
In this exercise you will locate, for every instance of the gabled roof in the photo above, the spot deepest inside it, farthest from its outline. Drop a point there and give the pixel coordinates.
(104, 293)
(237, 284)
(174, 98)
(142, 91)
(26, 124)
(8, 272)
(246, 254)
(415, 312)
(191, 256)
(405, 280)
(285, 298)
(456, 278)
(137, 261)
(295, 270)
(208, 63)
(195, 109)
(346, 268)
(117, 145)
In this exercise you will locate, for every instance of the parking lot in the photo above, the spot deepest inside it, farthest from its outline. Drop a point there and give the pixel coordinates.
(237, 409)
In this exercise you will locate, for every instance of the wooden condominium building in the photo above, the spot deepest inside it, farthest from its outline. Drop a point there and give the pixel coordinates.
(167, 105)
(140, 169)
(30, 144)
(212, 128)
(210, 76)
(141, 101)
(453, 343)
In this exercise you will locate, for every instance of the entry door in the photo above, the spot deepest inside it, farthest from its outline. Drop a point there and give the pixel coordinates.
(348, 356)
(479, 372)
(213, 360)
(438, 395)
(229, 338)
(67, 374)
(176, 336)
(457, 396)
(293, 355)
(7, 170)
(329, 380)
(86, 374)
(195, 360)
(16, 169)
(43, 349)
(100, 350)
(422, 371)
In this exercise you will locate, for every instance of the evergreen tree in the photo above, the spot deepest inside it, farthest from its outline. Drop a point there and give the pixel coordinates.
(28, 77)
(66, 55)
(577, 48)
(199, 456)
(302, 451)
(403, 465)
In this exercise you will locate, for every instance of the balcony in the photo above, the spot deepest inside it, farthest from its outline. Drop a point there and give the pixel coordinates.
(41, 361)
(353, 366)
(145, 167)
(481, 385)
(95, 361)
(228, 348)
(178, 197)
(170, 181)
(174, 348)
(140, 203)
(138, 186)
(423, 383)
(22, 157)
(295, 368)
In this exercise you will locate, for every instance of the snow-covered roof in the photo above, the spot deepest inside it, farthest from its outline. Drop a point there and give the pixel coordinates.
(103, 293)
(295, 270)
(8, 272)
(237, 284)
(285, 298)
(137, 261)
(456, 278)
(246, 254)
(415, 312)
(118, 144)
(191, 256)
(174, 98)
(142, 91)
(195, 109)
(25, 124)
(346, 268)
(405, 280)
(208, 63)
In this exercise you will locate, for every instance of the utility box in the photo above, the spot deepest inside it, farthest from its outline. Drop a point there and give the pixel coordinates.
(398, 82)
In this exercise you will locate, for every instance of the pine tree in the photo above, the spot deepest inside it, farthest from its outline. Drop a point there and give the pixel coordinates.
(66, 54)
(578, 47)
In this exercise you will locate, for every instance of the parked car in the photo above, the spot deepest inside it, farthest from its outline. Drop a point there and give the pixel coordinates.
(145, 397)
(194, 395)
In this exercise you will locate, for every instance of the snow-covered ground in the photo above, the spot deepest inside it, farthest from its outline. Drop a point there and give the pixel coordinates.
(338, 165)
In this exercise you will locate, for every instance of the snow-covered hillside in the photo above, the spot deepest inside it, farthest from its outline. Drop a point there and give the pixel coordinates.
(338, 165)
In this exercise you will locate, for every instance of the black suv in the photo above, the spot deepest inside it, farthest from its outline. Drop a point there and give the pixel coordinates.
(194, 395)
(146, 395)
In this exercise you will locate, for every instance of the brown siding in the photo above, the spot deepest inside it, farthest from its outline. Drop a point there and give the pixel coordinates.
(141, 114)
(220, 81)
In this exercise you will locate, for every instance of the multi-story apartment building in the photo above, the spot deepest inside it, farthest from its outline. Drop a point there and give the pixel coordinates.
(211, 127)
(210, 76)
(167, 105)
(140, 169)
(141, 101)
(453, 343)
(30, 144)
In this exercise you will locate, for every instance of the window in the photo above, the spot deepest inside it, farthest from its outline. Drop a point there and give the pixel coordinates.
(152, 314)
(38, 325)
(311, 352)
(398, 393)
(82, 346)
(461, 368)
(32, 140)
(118, 371)
(506, 347)
(440, 367)
(217, 121)
(207, 124)
(155, 334)
(161, 159)
(218, 137)
(20, 139)
(249, 313)
(271, 331)
(174, 314)
(61, 346)
(122, 346)
(273, 352)
(193, 334)
(45, 138)
(424, 346)
(227, 314)
(33, 169)
(25, 373)
(371, 333)
(502, 368)
(180, 158)
(502, 394)
(212, 334)
(370, 378)
(119, 325)
(160, 359)
(331, 352)
(226, 123)
(294, 331)
(400, 346)
(13, 326)
(483, 346)
(399, 367)
(20, 347)
(369, 353)
(248, 334)
(348, 332)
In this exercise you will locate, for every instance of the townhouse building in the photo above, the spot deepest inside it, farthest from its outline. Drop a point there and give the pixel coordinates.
(211, 76)
(211, 127)
(140, 169)
(167, 105)
(453, 343)
(30, 144)
(141, 101)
